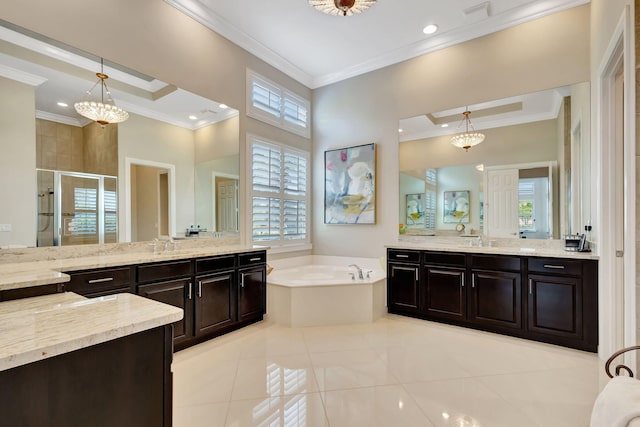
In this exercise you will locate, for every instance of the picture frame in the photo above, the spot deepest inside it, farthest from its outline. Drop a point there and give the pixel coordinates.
(350, 185)
(415, 210)
(456, 207)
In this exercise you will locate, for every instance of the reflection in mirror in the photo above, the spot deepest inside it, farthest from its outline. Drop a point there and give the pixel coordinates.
(542, 139)
(55, 151)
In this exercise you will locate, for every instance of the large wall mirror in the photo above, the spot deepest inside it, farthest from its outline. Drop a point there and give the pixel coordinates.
(170, 170)
(529, 178)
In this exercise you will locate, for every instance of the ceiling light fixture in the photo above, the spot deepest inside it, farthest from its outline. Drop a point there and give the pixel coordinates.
(62, 104)
(469, 137)
(99, 111)
(342, 7)
(192, 117)
(430, 29)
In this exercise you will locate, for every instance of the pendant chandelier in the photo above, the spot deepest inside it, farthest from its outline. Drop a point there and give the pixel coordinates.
(469, 137)
(101, 112)
(342, 7)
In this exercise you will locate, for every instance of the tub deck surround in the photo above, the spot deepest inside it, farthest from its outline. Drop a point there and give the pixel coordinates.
(318, 290)
(34, 329)
(523, 247)
(48, 270)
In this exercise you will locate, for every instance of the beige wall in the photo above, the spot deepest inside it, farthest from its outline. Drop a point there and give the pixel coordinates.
(18, 161)
(525, 143)
(158, 40)
(147, 139)
(59, 146)
(367, 108)
(100, 149)
(145, 216)
(218, 140)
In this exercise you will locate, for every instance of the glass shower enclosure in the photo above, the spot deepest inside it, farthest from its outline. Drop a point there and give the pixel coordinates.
(76, 208)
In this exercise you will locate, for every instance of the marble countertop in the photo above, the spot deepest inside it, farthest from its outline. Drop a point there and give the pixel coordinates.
(37, 328)
(36, 273)
(553, 249)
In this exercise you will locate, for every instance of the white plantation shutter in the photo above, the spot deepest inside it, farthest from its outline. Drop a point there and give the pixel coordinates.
(266, 98)
(110, 212)
(85, 202)
(279, 192)
(271, 103)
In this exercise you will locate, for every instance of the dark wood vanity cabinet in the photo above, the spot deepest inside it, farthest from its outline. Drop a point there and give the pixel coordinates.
(563, 301)
(174, 292)
(403, 278)
(495, 298)
(553, 300)
(100, 282)
(218, 294)
(444, 289)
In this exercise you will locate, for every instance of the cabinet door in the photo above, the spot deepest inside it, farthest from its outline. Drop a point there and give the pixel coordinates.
(496, 299)
(178, 293)
(403, 287)
(555, 306)
(251, 293)
(215, 306)
(445, 296)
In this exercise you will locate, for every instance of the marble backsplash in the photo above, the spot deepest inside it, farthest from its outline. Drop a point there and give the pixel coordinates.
(9, 256)
(458, 240)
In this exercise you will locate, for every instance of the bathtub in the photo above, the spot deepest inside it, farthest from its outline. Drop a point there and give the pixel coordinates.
(319, 290)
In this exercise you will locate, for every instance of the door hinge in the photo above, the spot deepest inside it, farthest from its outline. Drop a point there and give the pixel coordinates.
(619, 254)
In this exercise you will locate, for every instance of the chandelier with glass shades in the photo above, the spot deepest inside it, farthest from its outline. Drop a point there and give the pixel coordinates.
(101, 112)
(342, 7)
(469, 137)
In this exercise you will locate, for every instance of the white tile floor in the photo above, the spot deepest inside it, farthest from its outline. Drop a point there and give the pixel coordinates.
(394, 372)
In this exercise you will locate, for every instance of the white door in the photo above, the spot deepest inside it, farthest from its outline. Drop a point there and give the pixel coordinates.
(227, 201)
(501, 203)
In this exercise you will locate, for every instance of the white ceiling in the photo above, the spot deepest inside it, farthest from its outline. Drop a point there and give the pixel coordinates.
(318, 49)
(63, 74)
(527, 108)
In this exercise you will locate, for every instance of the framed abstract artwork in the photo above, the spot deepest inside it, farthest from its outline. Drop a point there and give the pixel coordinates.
(456, 207)
(415, 209)
(350, 185)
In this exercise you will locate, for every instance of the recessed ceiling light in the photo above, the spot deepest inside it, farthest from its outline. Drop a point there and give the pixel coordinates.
(62, 104)
(444, 125)
(430, 29)
(400, 130)
(223, 106)
(192, 117)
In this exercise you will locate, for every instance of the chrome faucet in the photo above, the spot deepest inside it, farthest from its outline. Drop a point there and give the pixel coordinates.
(360, 276)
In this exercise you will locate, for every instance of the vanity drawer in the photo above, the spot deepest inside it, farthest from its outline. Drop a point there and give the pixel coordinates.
(556, 266)
(223, 262)
(103, 281)
(162, 271)
(445, 258)
(403, 255)
(495, 262)
(252, 258)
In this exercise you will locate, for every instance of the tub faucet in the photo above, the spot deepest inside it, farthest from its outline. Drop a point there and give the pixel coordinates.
(360, 276)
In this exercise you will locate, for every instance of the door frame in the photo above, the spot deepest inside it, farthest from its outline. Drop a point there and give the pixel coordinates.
(126, 201)
(617, 298)
(214, 199)
(552, 165)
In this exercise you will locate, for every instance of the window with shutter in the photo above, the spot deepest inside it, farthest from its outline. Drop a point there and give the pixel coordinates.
(279, 192)
(271, 103)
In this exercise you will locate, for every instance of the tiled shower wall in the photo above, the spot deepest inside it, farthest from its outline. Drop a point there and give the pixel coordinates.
(89, 149)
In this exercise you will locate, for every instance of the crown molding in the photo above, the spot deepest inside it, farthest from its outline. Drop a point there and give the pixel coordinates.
(59, 118)
(459, 35)
(534, 10)
(21, 76)
(201, 13)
